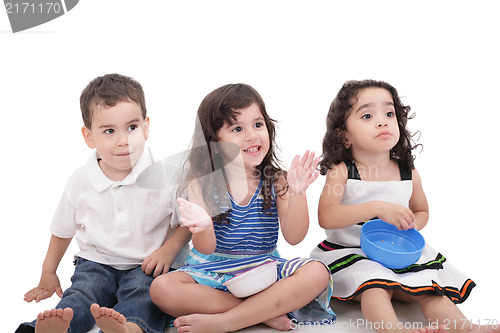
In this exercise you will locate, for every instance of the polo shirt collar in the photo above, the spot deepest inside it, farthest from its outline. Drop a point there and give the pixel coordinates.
(101, 182)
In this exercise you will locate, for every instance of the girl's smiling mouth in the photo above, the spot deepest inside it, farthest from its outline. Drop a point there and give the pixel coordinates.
(252, 149)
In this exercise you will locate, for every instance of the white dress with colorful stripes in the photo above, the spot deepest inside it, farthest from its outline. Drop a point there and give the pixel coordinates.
(248, 240)
(354, 273)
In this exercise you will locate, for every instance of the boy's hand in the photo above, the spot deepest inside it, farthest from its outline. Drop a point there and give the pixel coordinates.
(302, 173)
(158, 262)
(194, 217)
(49, 283)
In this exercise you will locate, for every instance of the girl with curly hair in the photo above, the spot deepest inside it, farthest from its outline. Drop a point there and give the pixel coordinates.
(368, 162)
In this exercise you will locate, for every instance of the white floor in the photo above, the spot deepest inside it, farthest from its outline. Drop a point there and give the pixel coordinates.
(349, 319)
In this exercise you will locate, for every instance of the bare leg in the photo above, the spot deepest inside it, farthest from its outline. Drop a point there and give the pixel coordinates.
(54, 321)
(111, 321)
(441, 310)
(178, 294)
(284, 296)
(377, 308)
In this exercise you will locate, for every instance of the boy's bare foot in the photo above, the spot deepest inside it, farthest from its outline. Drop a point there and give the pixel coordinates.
(54, 321)
(109, 320)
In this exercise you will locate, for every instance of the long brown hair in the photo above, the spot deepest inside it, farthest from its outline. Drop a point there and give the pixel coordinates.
(218, 108)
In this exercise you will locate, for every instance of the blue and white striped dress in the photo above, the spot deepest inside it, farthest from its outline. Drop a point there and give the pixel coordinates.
(247, 241)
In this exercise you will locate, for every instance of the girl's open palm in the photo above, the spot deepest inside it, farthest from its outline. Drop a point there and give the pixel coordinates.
(194, 217)
(302, 173)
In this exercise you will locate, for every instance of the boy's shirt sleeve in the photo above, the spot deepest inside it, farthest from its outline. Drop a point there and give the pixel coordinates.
(172, 206)
(63, 222)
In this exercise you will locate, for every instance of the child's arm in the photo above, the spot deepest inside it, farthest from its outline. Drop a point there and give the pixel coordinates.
(333, 215)
(195, 217)
(418, 202)
(160, 260)
(49, 282)
(200, 225)
(292, 206)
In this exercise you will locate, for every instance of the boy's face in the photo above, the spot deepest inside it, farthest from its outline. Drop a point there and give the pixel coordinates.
(119, 134)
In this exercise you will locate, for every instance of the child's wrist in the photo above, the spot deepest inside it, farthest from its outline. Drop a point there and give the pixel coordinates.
(373, 208)
(293, 192)
(47, 270)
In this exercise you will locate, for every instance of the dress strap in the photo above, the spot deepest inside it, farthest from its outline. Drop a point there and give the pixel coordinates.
(353, 173)
(352, 170)
(405, 173)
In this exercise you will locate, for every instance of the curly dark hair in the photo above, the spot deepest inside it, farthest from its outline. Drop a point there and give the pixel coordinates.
(218, 108)
(334, 150)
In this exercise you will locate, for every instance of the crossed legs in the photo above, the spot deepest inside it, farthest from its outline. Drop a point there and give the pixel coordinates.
(201, 308)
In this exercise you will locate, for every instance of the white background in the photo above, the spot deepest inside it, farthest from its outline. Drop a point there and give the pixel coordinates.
(441, 56)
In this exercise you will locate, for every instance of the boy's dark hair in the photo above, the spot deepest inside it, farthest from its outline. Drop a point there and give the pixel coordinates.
(107, 91)
(217, 108)
(334, 150)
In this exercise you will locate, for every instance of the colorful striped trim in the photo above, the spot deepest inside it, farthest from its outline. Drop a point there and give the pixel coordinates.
(345, 262)
(455, 295)
(351, 259)
(433, 264)
(327, 246)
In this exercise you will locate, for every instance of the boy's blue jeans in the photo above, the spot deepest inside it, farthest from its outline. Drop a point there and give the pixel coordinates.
(125, 291)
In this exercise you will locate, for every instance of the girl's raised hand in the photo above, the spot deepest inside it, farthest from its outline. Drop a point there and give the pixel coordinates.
(194, 217)
(302, 173)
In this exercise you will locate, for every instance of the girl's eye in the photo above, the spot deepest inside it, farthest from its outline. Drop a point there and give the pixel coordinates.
(132, 127)
(109, 131)
(259, 125)
(366, 116)
(237, 129)
(390, 114)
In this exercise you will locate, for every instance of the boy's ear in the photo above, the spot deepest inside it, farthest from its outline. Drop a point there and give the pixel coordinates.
(146, 128)
(87, 136)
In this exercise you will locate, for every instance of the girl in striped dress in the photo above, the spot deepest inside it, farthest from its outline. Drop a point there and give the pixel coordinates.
(234, 177)
(369, 171)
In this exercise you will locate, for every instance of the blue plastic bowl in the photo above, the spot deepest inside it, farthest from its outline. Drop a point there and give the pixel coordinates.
(393, 248)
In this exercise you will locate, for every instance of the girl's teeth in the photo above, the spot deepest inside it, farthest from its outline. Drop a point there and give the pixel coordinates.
(251, 150)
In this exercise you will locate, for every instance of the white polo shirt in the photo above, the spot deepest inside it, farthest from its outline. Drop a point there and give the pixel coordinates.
(115, 223)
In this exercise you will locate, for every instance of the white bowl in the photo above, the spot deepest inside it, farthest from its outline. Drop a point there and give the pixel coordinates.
(253, 281)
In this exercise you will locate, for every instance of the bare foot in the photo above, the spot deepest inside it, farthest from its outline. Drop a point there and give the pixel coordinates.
(281, 323)
(432, 329)
(493, 328)
(109, 320)
(212, 323)
(54, 321)
(199, 323)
